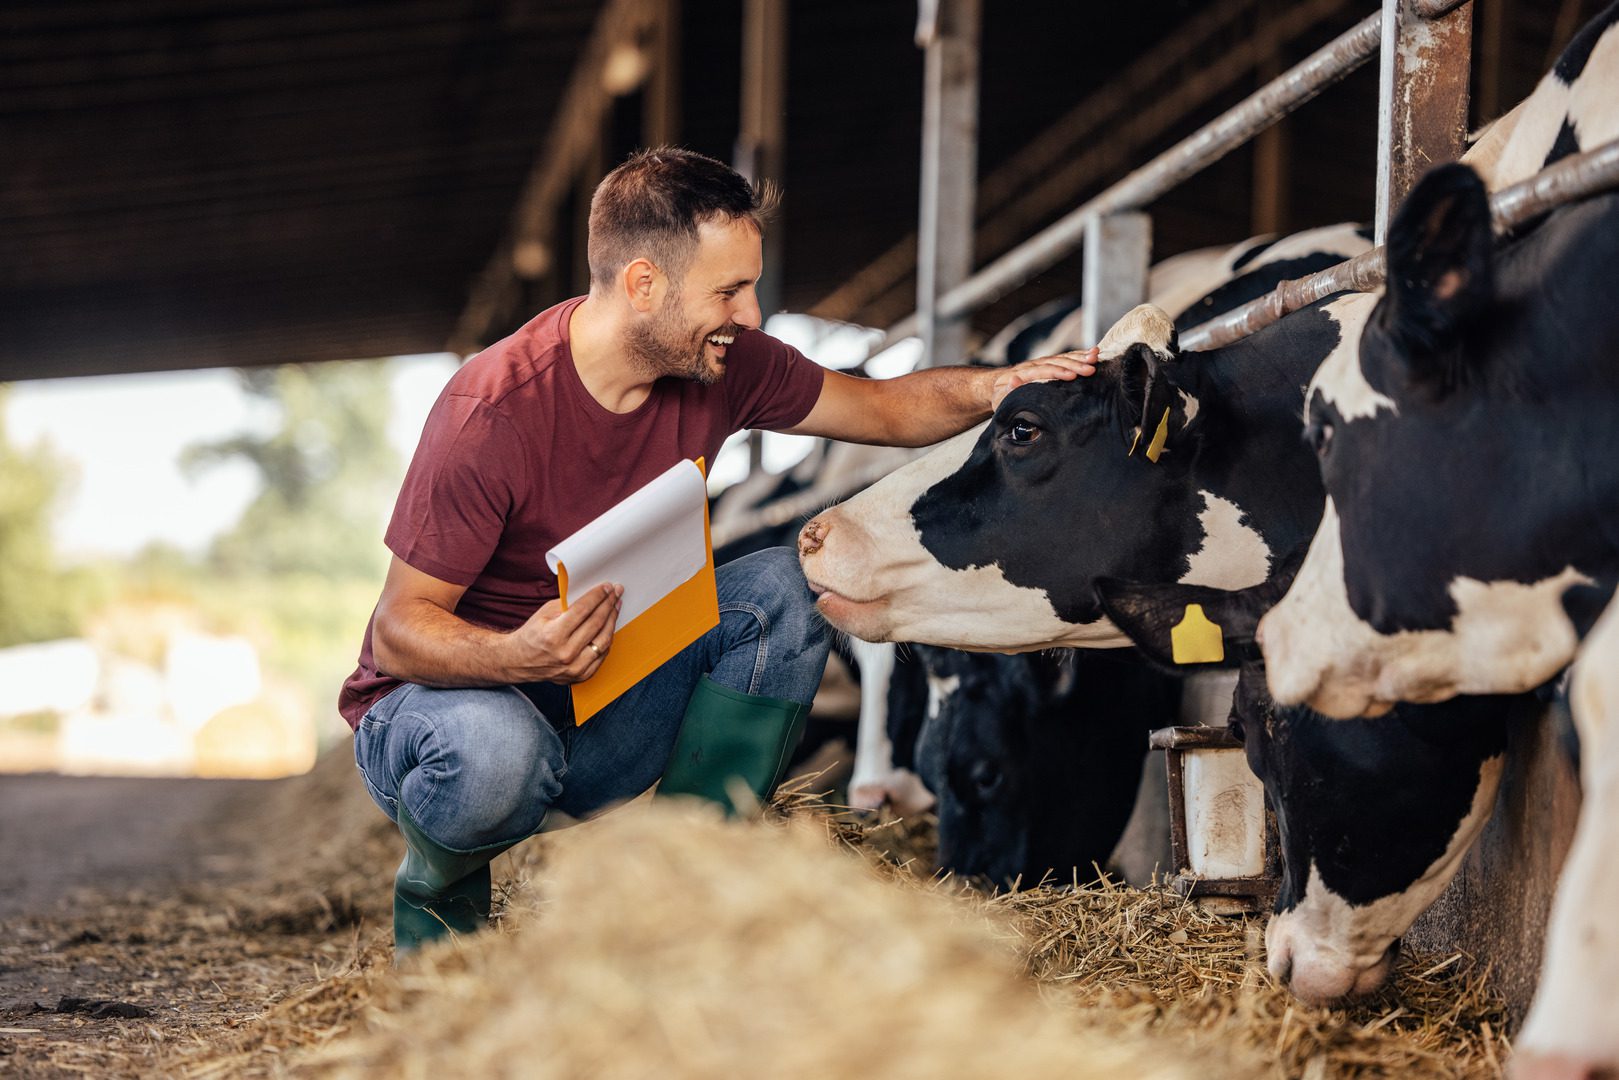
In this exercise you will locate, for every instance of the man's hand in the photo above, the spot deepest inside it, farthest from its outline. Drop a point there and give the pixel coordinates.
(1063, 366)
(568, 646)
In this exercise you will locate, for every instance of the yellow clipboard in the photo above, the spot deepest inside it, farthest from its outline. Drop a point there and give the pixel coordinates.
(653, 637)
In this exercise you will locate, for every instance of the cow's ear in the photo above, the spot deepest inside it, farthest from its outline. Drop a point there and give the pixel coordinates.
(1185, 628)
(1150, 414)
(1439, 266)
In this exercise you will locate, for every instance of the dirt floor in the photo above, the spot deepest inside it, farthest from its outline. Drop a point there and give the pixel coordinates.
(141, 918)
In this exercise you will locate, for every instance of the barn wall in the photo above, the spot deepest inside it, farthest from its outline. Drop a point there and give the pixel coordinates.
(1496, 908)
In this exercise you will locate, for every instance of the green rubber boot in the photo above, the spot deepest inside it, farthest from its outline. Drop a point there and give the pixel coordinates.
(439, 891)
(727, 734)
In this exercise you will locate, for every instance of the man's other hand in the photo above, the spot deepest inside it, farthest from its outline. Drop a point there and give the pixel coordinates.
(1063, 366)
(568, 646)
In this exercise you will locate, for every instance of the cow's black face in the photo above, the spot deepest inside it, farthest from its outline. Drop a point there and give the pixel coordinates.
(1035, 759)
(1055, 465)
(1374, 818)
(1469, 462)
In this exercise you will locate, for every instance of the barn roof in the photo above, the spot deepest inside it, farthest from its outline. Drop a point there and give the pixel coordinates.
(193, 183)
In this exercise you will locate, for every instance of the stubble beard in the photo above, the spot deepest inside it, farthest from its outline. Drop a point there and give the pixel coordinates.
(664, 346)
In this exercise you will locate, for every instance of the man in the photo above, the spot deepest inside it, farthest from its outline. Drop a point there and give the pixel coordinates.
(463, 730)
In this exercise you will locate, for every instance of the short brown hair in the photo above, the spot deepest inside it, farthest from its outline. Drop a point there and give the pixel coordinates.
(653, 203)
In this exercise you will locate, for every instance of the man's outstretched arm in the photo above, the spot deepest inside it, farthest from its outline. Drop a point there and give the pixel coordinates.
(928, 405)
(416, 636)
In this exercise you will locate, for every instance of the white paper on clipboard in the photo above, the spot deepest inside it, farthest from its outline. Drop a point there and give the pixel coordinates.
(650, 543)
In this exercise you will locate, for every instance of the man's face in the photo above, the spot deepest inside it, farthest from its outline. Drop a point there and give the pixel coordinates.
(701, 314)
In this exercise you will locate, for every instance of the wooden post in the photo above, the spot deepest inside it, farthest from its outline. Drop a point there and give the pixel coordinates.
(762, 136)
(948, 31)
(661, 121)
(1118, 248)
(1422, 102)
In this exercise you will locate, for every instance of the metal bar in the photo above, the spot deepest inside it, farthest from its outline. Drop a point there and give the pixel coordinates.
(1188, 157)
(948, 30)
(1422, 98)
(1575, 177)
(1435, 9)
(1118, 249)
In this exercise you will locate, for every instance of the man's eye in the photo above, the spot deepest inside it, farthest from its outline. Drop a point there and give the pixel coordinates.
(1022, 433)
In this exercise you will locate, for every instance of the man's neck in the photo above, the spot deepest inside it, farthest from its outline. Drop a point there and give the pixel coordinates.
(595, 337)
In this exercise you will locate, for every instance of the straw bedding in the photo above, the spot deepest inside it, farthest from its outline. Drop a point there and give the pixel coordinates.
(662, 941)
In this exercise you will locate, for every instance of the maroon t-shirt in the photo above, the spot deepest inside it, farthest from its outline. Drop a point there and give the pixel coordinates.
(516, 456)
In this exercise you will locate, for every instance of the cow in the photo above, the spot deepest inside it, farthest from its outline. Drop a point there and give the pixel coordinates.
(1570, 1030)
(1036, 758)
(1161, 467)
(1470, 461)
(1375, 816)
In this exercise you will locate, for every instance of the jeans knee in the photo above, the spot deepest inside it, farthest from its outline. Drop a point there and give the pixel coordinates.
(772, 581)
(492, 775)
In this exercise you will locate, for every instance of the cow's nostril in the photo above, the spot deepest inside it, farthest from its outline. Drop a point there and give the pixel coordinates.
(1285, 976)
(811, 538)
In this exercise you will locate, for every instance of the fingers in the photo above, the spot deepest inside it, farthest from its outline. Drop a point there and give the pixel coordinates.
(596, 626)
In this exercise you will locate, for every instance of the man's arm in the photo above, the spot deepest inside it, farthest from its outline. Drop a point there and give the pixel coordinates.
(416, 636)
(925, 406)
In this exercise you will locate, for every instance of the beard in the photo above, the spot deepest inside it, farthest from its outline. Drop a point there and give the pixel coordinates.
(666, 346)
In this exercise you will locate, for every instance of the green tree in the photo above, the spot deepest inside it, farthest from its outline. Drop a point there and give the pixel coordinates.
(328, 473)
(37, 601)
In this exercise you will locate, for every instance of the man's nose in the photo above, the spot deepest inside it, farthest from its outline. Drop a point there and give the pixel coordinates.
(747, 314)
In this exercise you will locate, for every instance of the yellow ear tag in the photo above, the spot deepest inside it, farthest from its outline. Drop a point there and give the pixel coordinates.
(1159, 438)
(1196, 640)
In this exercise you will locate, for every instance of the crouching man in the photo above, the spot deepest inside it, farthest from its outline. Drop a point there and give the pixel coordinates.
(460, 706)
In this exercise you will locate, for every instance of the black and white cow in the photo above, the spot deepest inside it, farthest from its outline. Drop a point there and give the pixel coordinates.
(1035, 758)
(1375, 816)
(1471, 461)
(1160, 467)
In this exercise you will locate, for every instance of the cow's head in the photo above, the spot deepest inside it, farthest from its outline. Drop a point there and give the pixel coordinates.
(1035, 759)
(1463, 514)
(992, 540)
(1374, 815)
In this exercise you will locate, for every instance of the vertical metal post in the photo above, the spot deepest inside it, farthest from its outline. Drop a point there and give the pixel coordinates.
(948, 31)
(1118, 248)
(1422, 102)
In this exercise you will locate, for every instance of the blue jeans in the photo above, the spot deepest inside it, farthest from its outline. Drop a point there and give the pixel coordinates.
(483, 766)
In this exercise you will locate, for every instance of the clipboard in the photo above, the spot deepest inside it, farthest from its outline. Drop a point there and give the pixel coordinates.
(649, 543)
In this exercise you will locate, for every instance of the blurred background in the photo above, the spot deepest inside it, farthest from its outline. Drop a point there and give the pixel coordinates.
(242, 246)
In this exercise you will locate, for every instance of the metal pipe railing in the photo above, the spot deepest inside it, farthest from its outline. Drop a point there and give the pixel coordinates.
(1575, 177)
(1435, 9)
(1168, 170)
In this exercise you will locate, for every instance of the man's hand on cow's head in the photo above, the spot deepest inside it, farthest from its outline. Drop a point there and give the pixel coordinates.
(1063, 366)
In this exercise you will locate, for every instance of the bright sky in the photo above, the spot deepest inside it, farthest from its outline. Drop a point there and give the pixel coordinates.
(123, 435)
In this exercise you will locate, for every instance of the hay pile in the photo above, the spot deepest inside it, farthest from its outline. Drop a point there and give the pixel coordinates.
(673, 944)
(651, 945)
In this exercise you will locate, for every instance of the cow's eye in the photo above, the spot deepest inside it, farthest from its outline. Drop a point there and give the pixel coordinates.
(1319, 435)
(986, 780)
(1022, 432)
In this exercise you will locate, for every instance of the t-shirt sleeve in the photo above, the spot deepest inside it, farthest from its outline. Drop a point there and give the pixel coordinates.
(458, 492)
(771, 385)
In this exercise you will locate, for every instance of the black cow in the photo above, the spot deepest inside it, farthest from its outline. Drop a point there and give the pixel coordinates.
(1375, 815)
(1035, 759)
(1471, 460)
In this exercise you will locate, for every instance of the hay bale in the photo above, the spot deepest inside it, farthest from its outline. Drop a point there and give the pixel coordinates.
(670, 943)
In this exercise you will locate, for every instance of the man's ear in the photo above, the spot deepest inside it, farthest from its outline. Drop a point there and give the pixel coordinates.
(643, 285)
(1185, 628)
(1440, 249)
